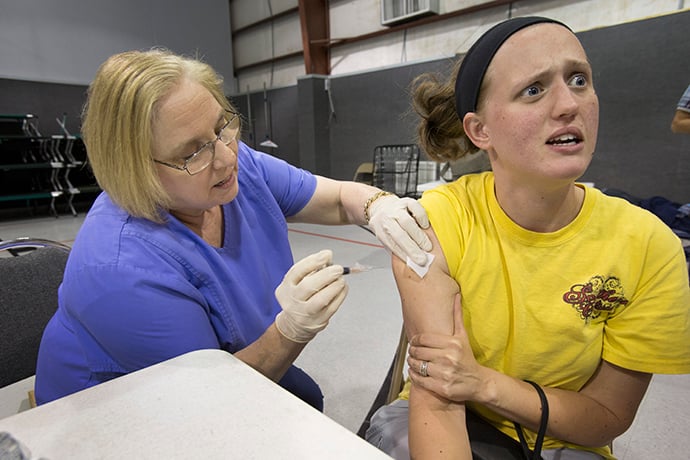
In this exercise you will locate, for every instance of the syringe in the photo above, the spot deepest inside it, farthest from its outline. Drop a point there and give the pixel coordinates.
(356, 268)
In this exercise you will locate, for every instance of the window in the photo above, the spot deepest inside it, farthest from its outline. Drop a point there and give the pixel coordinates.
(398, 11)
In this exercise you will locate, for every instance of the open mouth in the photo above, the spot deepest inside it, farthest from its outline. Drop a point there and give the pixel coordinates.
(566, 139)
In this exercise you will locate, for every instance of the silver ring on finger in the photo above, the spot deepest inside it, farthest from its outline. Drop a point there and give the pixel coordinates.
(424, 369)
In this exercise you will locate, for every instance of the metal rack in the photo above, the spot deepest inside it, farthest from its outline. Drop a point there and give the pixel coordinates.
(396, 169)
(35, 167)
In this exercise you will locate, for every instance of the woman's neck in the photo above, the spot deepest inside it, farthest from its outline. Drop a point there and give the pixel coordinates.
(540, 211)
(207, 224)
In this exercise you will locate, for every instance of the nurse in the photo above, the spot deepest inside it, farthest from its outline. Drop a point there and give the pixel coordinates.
(187, 246)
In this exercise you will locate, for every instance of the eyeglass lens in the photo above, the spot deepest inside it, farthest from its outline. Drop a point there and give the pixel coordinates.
(204, 157)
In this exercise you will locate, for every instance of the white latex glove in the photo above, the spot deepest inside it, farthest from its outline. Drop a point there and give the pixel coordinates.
(311, 292)
(397, 223)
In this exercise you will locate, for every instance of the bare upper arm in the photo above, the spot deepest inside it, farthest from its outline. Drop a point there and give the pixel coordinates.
(324, 207)
(427, 302)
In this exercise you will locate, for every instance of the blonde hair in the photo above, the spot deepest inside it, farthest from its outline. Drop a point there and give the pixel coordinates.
(117, 120)
(440, 132)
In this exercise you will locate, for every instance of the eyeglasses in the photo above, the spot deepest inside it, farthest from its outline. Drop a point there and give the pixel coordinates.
(202, 158)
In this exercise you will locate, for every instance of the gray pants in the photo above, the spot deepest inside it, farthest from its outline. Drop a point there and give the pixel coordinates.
(388, 431)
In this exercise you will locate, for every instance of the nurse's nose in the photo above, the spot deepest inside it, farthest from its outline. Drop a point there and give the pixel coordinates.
(226, 154)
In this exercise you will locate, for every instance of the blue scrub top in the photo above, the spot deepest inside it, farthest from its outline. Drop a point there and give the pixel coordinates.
(136, 293)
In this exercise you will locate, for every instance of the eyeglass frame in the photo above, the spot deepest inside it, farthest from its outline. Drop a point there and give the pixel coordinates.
(210, 144)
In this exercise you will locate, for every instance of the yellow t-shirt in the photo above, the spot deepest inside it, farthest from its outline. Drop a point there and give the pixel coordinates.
(547, 307)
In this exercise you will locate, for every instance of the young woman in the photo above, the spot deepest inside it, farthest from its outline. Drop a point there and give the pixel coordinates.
(535, 277)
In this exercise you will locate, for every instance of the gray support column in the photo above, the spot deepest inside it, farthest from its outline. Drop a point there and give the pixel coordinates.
(313, 111)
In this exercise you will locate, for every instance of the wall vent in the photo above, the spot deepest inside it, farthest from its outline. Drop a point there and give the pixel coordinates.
(398, 11)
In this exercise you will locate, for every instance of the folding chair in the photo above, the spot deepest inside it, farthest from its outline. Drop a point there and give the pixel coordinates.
(364, 173)
(30, 272)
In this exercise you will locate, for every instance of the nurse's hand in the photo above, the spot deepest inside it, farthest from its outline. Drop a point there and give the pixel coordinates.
(398, 223)
(311, 292)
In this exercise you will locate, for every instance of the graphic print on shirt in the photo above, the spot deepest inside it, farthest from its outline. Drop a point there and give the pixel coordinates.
(596, 296)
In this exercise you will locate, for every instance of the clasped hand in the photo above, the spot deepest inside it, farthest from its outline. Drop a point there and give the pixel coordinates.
(398, 223)
(310, 293)
(452, 371)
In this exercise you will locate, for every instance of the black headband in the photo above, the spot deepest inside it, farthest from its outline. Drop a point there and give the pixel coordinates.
(479, 56)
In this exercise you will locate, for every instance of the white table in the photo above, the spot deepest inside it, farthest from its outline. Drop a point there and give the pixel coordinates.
(202, 405)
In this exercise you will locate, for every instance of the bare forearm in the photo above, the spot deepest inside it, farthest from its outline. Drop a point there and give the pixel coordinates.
(271, 354)
(354, 196)
(576, 417)
(437, 427)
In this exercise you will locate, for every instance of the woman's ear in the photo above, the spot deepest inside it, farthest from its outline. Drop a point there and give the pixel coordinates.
(476, 131)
